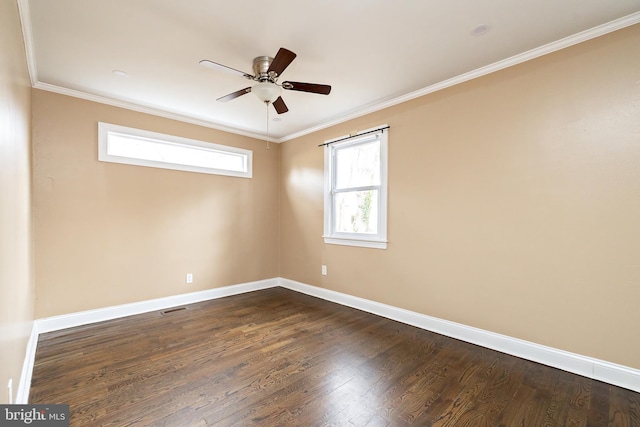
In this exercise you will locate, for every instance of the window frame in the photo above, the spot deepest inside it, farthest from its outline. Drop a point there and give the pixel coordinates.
(104, 129)
(366, 240)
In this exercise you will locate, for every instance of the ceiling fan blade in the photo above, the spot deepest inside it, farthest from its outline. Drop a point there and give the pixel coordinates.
(234, 95)
(220, 67)
(280, 106)
(281, 61)
(307, 87)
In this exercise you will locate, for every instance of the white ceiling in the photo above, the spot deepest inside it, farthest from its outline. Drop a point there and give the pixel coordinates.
(372, 52)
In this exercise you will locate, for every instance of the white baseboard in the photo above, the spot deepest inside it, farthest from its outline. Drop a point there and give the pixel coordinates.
(55, 323)
(589, 367)
(22, 396)
(582, 365)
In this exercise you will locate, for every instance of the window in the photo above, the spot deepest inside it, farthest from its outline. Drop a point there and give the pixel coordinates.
(131, 146)
(355, 207)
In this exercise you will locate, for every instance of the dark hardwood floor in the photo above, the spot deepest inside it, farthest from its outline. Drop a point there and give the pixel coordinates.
(276, 357)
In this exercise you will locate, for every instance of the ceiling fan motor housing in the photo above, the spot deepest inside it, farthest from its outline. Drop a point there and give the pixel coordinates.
(261, 66)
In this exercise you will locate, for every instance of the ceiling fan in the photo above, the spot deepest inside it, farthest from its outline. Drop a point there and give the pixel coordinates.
(266, 72)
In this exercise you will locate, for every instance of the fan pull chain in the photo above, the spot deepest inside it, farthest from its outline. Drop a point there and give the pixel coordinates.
(267, 105)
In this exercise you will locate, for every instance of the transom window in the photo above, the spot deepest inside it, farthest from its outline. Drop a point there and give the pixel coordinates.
(120, 144)
(356, 191)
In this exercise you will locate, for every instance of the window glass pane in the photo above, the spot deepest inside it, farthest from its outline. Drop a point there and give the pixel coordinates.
(357, 212)
(160, 151)
(358, 165)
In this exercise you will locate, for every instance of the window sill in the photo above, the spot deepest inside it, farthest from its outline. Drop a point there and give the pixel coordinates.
(375, 244)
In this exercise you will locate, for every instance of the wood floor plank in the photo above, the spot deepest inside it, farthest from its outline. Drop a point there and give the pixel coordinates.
(277, 357)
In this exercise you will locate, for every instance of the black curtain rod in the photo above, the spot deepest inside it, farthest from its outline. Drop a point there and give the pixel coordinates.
(354, 136)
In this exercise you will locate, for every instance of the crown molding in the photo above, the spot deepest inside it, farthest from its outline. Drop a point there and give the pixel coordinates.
(557, 45)
(25, 17)
(27, 36)
(145, 109)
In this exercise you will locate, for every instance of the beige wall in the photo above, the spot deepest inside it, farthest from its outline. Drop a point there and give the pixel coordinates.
(109, 234)
(513, 207)
(514, 203)
(16, 283)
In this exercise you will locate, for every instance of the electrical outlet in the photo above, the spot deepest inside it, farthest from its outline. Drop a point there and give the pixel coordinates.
(189, 278)
(324, 270)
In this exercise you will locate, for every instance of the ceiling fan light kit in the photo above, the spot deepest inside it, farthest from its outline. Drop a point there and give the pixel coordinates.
(266, 91)
(266, 72)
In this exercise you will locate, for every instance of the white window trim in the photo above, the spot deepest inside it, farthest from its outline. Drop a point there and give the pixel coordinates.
(378, 241)
(105, 128)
